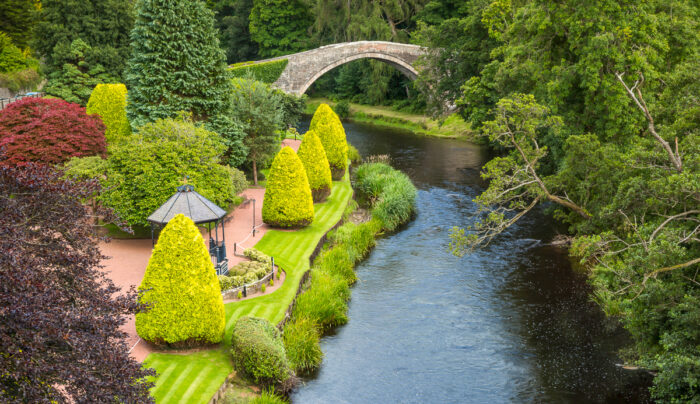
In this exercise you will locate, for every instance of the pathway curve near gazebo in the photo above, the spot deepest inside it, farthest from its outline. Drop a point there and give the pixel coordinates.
(127, 260)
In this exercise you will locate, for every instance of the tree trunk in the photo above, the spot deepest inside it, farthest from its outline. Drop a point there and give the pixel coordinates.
(255, 173)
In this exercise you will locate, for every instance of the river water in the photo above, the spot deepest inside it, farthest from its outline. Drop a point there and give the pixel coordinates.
(510, 323)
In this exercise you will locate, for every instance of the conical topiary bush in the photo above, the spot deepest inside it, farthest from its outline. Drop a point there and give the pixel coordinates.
(330, 130)
(287, 201)
(181, 289)
(318, 172)
(109, 102)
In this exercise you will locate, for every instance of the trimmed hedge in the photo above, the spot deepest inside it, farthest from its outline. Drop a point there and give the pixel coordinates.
(181, 290)
(49, 131)
(267, 72)
(146, 169)
(330, 130)
(318, 172)
(258, 352)
(257, 255)
(109, 102)
(287, 201)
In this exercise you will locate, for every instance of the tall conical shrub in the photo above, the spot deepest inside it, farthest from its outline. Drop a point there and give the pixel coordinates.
(182, 290)
(318, 172)
(287, 201)
(176, 63)
(109, 102)
(330, 130)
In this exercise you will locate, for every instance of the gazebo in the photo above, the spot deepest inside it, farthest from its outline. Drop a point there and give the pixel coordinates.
(202, 211)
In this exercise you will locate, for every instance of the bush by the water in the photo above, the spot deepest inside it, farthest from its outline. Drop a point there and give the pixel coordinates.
(342, 108)
(301, 341)
(287, 201)
(325, 302)
(258, 352)
(180, 288)
(146, 169)
(268, 397)
(389, 192)
(109, 102)
(49, 131)
(353, 154)
(330, 130)
(318, 172)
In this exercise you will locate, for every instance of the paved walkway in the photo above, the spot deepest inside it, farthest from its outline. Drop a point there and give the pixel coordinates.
(128, 259)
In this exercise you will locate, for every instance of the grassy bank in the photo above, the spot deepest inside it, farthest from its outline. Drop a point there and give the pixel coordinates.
(452, 127)
(194, 378)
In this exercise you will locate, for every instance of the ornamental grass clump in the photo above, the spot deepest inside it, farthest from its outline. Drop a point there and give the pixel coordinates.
(301, 341)
(109, 102)
(330, 130)
(287, 201)
(181, 290)
(325, 303)
(318, 172)
(258, 352)
(389, 192)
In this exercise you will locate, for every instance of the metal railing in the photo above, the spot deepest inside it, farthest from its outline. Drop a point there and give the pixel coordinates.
(4, 102)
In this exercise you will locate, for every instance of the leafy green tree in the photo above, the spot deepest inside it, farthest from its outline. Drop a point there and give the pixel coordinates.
(287, 201)
(318, 170)
(232, 21)
(258, 109)
(103, 25)
(176, 63)
(146, 169)
(18, 19)
(279, 27)
(109, 102)
(181, 290)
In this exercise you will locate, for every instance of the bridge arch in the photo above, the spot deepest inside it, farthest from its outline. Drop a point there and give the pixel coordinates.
(405, 68)
(304, 68)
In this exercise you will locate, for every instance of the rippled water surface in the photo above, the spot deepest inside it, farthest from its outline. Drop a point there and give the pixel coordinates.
(511, 323)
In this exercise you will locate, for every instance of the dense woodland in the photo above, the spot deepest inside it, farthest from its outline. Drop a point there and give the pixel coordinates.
(593, 109)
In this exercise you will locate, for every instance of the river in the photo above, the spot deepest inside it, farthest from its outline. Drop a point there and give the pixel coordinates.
(510, 323)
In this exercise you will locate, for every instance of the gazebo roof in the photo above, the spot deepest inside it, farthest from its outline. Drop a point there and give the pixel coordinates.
(189, 203)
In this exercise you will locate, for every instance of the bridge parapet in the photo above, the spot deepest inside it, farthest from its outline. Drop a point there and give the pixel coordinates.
(306, 67)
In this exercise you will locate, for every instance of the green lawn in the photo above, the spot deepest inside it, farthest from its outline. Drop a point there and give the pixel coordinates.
(195, 378)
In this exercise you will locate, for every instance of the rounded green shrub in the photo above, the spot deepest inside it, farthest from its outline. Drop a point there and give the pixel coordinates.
(109, 102)
(330, 130)
(258, 351)
(287, 201)
(181, 290)
(301, 341)
(353, 154)
(318, 172)
(146, 169)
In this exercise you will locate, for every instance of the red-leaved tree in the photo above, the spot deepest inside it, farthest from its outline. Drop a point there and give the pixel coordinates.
(59, 314)
(49, 131)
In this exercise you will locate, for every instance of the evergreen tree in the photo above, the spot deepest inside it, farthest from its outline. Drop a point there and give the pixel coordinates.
(287, 201)
(176, 63)
(279, 27)
(104, 25)
(318, 171)
(109, 102)
(18, 17)
(330, 130)
(182, 290)
(232, 21)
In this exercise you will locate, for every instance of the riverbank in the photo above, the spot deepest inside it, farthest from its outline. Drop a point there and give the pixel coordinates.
(453, 127)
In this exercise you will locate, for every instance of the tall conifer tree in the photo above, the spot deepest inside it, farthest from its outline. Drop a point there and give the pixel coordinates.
(176, 63)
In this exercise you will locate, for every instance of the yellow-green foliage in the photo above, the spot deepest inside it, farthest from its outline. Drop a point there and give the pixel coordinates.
(109, 102)
(287, 201)
(313, 157)
(181, 287)
(330, 130)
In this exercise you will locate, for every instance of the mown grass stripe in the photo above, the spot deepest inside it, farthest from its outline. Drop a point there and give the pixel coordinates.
(194, 384)
(180, 379)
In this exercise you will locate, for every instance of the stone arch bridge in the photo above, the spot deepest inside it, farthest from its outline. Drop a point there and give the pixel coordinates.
(304, 68)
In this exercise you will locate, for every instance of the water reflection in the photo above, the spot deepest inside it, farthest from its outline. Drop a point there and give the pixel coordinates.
(511, 323)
